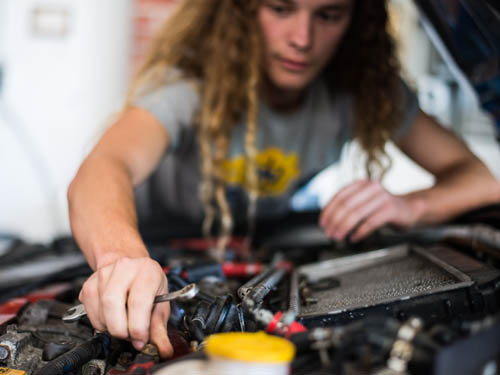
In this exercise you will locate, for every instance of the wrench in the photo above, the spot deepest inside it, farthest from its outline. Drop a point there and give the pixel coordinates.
(189, 291)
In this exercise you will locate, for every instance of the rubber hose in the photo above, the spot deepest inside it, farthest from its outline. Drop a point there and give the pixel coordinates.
(77, 357)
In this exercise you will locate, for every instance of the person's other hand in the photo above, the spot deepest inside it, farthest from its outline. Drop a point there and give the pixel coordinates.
(362, 207)
(118, 298)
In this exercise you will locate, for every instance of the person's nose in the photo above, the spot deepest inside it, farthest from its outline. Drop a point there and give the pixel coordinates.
(301, 33)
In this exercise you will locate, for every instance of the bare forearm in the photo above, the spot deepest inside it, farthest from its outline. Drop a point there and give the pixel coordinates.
(102, 212)
(458, 190)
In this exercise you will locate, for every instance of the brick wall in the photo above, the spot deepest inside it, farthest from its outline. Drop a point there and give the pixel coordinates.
(148, 16)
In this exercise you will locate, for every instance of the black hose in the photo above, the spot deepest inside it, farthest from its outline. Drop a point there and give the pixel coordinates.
(77, 357)
(198, 331)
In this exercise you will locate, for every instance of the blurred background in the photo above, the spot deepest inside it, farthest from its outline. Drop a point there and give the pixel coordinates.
(65, 66)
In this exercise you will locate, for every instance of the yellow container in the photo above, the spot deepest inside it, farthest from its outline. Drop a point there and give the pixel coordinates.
(249, 353)
(8, 371)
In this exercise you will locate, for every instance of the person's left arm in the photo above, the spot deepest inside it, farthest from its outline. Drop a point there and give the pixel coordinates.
(463, 182)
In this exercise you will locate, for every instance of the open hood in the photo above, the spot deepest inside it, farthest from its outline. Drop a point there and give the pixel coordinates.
(467, 34)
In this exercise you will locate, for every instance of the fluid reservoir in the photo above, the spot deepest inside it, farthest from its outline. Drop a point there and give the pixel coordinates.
(239, 353)
(249, 353)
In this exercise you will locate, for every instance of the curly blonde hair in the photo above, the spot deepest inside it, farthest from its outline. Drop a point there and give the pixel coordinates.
(366, 65)
(217, 45)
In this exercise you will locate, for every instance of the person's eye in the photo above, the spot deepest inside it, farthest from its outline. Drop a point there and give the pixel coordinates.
(329, 16)
(280, 10)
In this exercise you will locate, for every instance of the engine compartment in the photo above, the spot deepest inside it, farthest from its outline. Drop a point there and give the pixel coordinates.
(425, 301)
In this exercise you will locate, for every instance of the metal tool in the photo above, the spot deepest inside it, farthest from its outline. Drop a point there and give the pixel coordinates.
(294, 299)
(189, 291)
(250, 284)
(247, 287)
(255, 296)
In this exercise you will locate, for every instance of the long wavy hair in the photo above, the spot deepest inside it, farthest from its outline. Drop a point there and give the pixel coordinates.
(217, 45)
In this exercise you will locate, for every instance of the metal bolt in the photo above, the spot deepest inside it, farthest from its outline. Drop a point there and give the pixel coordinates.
(4, 353)
(150, 349)
(125, 359)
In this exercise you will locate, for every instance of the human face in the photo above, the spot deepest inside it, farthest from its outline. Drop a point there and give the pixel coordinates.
(300, 37)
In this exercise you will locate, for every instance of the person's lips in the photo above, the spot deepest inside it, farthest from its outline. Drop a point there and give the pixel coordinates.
(293, 65)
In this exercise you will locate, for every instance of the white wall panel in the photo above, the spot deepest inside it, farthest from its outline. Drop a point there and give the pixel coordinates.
(66, 71)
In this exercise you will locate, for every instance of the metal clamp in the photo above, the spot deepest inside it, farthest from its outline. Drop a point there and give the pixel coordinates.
(402, 349)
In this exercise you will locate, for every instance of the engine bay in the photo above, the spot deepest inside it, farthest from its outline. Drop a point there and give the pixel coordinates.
(424, 301)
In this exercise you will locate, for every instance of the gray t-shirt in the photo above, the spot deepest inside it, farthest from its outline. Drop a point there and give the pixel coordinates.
(292, 148)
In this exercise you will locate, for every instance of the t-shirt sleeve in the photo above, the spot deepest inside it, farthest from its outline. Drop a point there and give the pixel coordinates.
(173, 105)
(409, 108)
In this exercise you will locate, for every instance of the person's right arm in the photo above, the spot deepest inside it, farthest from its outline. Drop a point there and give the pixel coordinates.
(118, 297)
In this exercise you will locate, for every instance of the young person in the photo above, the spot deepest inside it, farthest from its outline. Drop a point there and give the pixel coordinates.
(241, 101)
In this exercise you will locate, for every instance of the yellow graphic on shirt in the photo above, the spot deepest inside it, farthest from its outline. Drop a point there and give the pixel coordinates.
(275, 171)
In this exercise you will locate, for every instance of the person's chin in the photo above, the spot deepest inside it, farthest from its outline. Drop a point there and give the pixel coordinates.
(292, 82)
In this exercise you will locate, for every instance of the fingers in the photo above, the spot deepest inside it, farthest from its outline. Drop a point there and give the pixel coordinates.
(158, 330)
(351, 206)
(338, 199)
(119, 298)
(372, 223)
(113, 294)
(394, 210)
(89, 296)
(140, 303)
(359, 214)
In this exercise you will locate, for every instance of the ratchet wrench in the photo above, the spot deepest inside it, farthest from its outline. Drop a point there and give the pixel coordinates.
(189, 291)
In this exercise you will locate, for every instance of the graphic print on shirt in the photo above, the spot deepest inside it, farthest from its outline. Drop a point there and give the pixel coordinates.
(275, 169)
